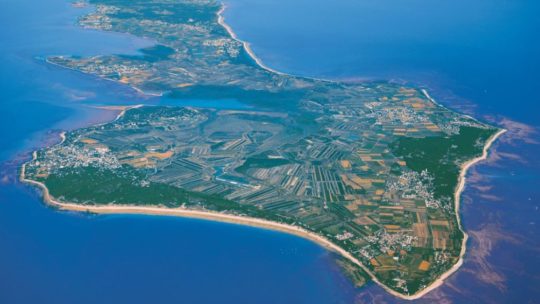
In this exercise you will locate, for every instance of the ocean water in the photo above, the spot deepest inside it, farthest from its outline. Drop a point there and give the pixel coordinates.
(49, 256)
(485, 52)
(481, 58)
(478, 57)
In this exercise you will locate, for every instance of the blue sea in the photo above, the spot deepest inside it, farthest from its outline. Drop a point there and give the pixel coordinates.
(480, 57)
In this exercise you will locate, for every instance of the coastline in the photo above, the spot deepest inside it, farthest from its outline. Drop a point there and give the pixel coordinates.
(136, 89)
(457, 202)
(261, 223)
(197, 214)
(247, 46)
(457, 194)
(266, 224)
(122, 109)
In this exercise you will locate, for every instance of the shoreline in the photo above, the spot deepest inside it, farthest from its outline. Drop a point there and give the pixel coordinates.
(267, 224)
(122, 109)
(261, 223)
(197, 214)
(457, 203)
(247, 46)
(136, 89)
(457, 194)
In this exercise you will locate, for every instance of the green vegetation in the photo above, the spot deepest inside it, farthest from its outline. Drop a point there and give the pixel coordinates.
(255, 162)
(370, 166)
(443, 155)
(98, 186)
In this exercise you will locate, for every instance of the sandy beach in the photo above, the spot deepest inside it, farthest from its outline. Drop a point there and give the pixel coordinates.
(261, 223)
(266, 224)
(457, 202)
(247, 47)
(457, 195)
(122, 109)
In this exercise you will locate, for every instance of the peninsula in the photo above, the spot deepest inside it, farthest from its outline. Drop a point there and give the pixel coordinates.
(371, 170)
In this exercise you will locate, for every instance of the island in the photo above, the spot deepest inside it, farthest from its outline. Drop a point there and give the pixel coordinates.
(370, 170)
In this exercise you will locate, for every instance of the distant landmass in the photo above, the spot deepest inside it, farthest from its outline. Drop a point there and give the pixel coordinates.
(371, 170)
